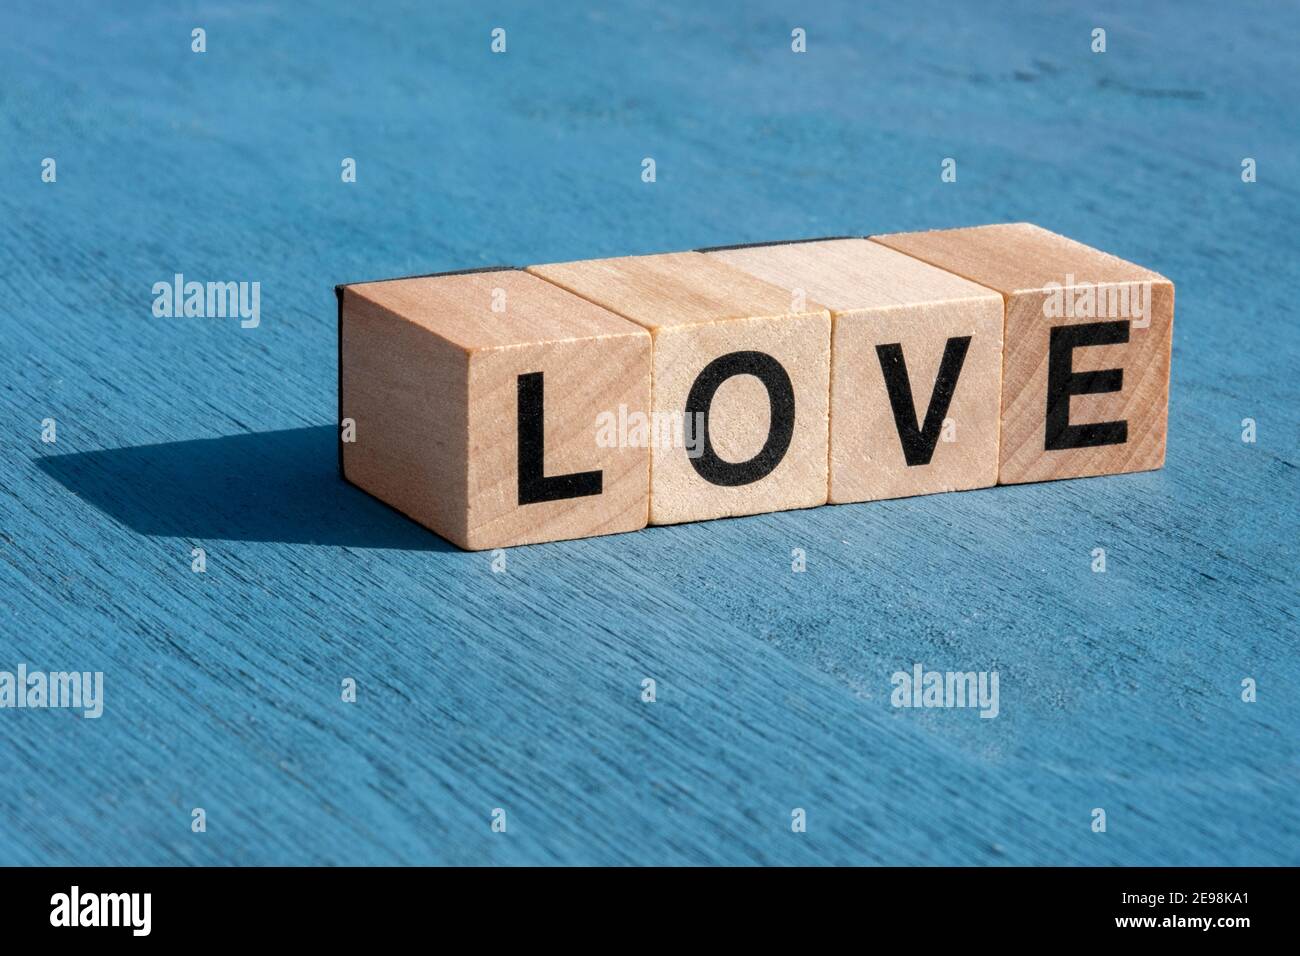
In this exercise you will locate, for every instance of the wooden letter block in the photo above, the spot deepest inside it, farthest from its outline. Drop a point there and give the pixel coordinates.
(740, 385)
(1085, 372)
(916, 365)
(475, 400)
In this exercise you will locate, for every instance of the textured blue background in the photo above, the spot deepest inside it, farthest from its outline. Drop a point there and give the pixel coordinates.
(521, 690)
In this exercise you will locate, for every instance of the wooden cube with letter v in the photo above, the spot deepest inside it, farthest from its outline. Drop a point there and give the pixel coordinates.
(916, 365)
(740, 385)
(1085, 372)
(471, 403)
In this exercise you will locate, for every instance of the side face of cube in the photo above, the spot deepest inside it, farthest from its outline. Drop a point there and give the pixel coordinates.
(403, 394)
(482, 406)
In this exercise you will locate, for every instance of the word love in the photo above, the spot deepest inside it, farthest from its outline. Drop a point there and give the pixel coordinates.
(511, 406)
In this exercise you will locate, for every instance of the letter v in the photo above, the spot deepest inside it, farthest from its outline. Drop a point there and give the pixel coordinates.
(918, 445)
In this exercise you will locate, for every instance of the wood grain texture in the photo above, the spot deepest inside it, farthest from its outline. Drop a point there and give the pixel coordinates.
(713, 323)
(433, 372)
(1053, 285)
(879, 298)
(522, 690)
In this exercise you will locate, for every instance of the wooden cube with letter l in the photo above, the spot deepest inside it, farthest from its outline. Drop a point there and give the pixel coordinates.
(470, 402)
(1085, 372)
(916, 365)
(740, 384)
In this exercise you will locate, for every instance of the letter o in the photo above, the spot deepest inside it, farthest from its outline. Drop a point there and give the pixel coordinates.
(780, 396)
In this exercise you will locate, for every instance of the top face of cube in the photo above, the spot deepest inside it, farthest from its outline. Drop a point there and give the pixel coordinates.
(853, 275)
(673, 290)
(496, 309)
(1017, 257)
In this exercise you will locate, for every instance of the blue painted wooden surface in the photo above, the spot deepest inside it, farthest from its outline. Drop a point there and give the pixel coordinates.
(521, 690)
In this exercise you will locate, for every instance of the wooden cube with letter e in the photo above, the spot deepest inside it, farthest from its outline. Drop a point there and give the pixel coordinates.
(1085, 373)
(471, 402)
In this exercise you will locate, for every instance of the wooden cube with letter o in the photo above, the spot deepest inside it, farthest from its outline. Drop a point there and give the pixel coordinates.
(740, 384)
